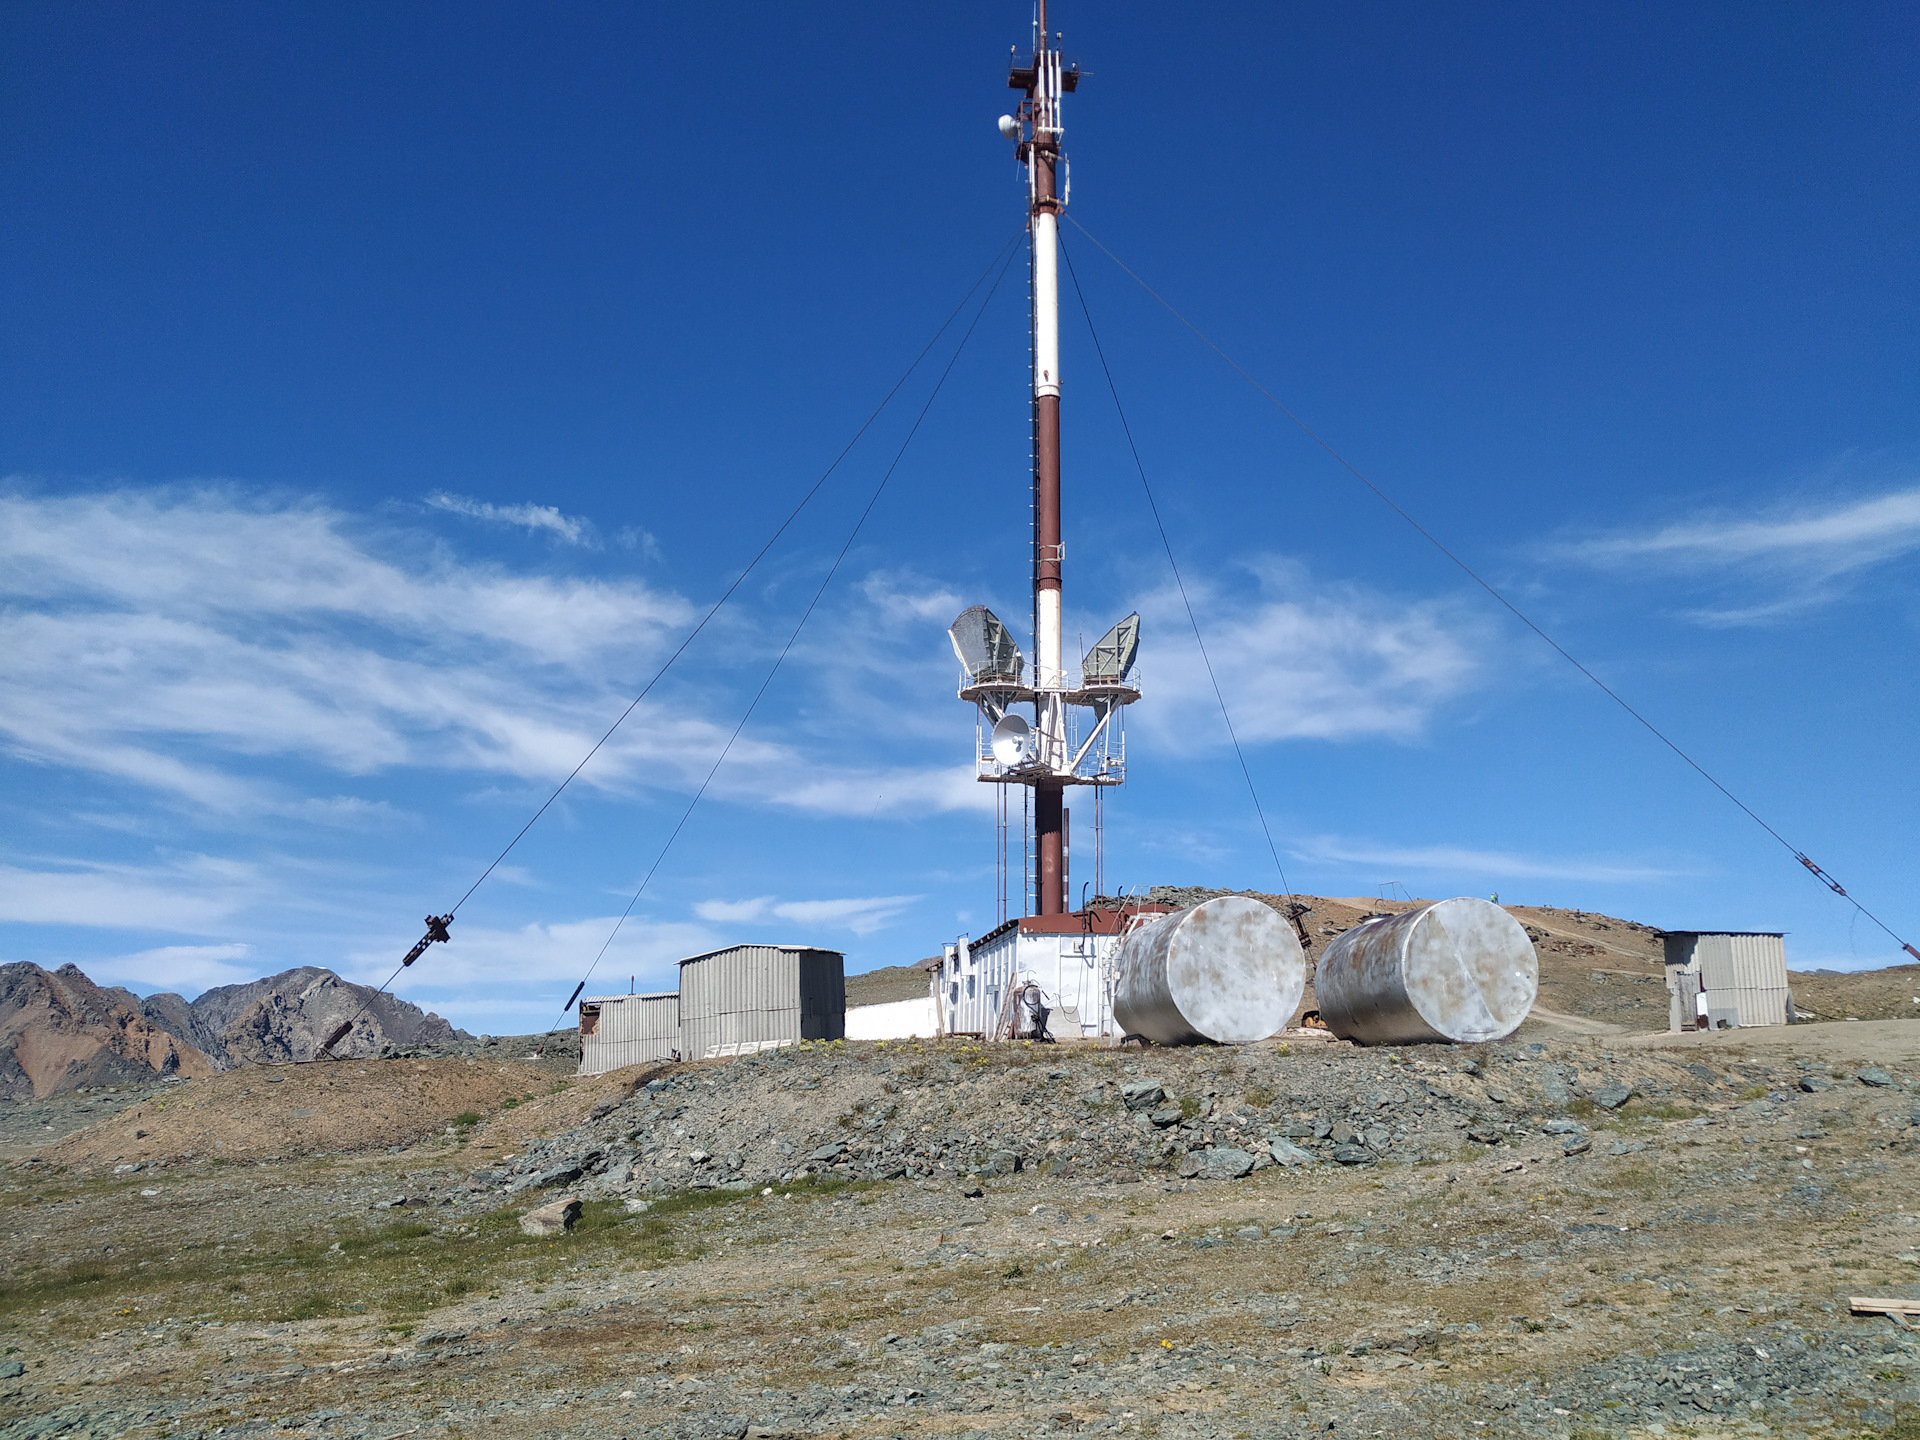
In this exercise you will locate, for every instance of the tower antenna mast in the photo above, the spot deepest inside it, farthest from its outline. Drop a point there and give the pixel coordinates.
(1043, 84)
(1047, 754)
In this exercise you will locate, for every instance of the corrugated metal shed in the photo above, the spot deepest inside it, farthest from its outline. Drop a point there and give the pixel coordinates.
(621, 1030)
(1743, 972)
(747, 993)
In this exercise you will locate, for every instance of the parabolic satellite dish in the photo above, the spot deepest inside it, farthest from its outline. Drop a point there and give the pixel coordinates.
(985, 647)
(1012, 740)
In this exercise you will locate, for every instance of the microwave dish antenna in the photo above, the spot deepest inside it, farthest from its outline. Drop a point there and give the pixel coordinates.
(1012, 741)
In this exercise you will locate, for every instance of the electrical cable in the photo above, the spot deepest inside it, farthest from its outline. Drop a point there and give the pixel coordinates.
(1174, 565)
(760, 555)
(792, 639)
(1512, 609)
(437, 924)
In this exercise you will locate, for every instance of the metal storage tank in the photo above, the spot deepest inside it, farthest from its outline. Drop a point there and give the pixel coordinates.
(751, 994)
(1744, 974)
(621, 1030)
(1228, 970)
(1460, 970)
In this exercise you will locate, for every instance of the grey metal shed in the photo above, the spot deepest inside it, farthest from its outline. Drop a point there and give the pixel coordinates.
(750, 996)
(1743, 974)
(621, 1030)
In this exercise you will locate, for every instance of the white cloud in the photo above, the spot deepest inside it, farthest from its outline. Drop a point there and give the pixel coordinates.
(572, 529)
(735, 912)
(1782, 559)
(1487, 864)
(186, 969)
(903, 596)
(515, 981)
(195, 895)
(184, 640)
(863, 916)
(1300, 660)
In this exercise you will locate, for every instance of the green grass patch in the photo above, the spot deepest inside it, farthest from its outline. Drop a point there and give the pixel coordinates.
(395, 1271)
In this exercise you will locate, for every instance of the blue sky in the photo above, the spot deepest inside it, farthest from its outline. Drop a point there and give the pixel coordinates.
(389, 388)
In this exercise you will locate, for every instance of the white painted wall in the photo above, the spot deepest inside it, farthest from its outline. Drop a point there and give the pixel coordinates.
(1071, 971)
(895, 1020)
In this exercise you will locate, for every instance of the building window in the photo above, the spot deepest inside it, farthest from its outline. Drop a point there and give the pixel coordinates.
(954, 993)
(972, 980)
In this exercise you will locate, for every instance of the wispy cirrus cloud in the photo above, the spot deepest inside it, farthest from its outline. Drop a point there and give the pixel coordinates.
(1783, 559)
(188, 969)
(196, 641)
(1299, 659)
(863, 915)
(572, 529)
(523, 961)
(195, 895)
(1463, 862)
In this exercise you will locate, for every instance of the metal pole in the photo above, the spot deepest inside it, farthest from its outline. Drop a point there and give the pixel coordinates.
(1044, 209)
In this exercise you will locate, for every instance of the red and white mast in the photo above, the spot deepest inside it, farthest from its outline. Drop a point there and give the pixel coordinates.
(1044, 83)
(1047, 754)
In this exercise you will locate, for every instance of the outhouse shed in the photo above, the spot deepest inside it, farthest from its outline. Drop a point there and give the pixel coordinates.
(621, 1030)
(750, 997)
(1741, 974)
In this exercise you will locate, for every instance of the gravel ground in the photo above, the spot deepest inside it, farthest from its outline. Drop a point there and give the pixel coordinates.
(1550, 1239)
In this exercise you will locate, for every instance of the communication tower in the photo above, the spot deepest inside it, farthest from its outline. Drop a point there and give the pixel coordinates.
(1047, 753)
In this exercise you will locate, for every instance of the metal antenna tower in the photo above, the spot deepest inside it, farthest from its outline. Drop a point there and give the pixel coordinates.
(1045, 754)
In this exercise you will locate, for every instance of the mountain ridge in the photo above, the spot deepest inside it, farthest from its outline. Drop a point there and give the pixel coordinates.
(60, 1031)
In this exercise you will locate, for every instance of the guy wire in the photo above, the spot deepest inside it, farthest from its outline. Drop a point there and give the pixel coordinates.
(1815, 870)
(1174, 565)
(805, 615)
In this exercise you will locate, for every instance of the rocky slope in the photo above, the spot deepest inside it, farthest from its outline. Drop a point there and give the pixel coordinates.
(60, 1032)
(1675, 1264)
(288, 1017)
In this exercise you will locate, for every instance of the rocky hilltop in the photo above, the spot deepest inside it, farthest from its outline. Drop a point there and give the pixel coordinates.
(288, 1017)
(60, 1032)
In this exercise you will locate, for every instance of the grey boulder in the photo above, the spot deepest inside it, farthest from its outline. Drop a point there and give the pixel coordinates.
(1612, 1097)
(1285, 1152)
(1222, 1164)
(555, 1219)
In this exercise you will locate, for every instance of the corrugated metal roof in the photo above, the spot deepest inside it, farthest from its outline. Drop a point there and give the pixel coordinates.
(752, 945)
(629, 995)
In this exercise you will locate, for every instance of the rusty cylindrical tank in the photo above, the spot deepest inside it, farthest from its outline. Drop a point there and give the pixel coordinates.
(1460, 970)
(1228, 970)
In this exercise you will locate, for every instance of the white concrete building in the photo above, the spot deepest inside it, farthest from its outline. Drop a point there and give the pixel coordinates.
(918, 1018)
(1069, 957)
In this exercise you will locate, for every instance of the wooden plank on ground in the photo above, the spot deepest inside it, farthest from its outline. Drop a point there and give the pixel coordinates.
(1869, 1305)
